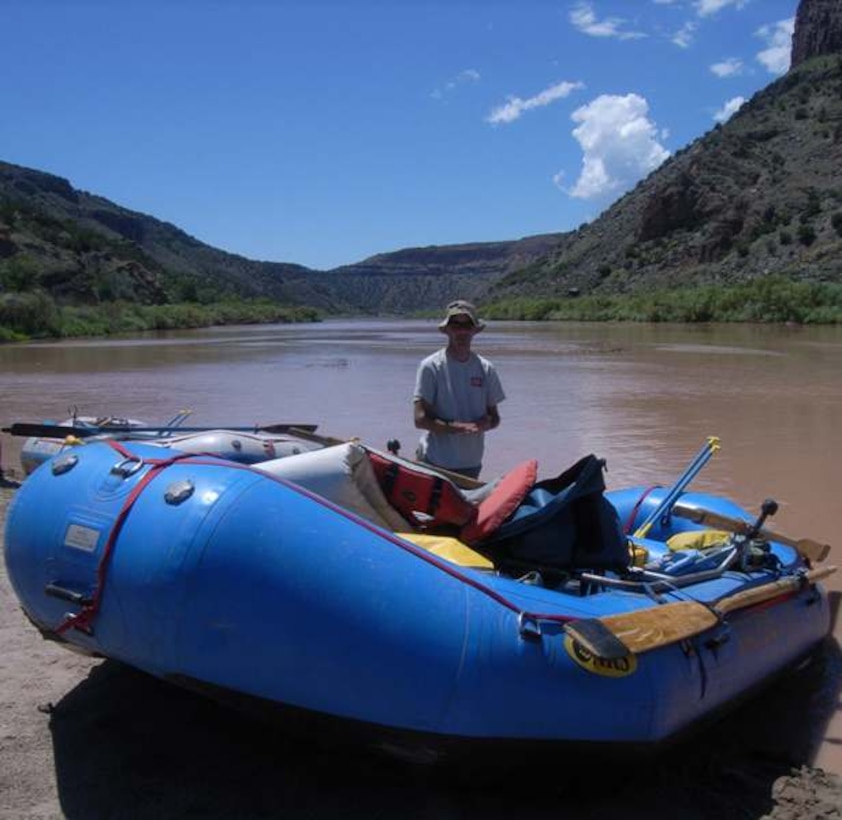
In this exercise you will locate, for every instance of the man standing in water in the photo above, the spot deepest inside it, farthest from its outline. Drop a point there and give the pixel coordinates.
(456, 396)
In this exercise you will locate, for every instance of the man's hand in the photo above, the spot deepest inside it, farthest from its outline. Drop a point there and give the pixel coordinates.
(463, 427)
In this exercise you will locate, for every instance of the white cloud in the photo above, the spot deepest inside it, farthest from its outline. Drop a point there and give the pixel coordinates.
(469, 75)
(727, 68)
(706, 8)
(683, 38)
(729, 109)
(583, 17)
(620, 145)
(778, 37)
(515, 106)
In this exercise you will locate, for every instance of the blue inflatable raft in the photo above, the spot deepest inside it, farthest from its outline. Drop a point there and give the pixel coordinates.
(265, 588)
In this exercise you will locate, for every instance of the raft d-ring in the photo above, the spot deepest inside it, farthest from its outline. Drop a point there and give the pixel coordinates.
(528, 627)
(127, 467)
(64, 463)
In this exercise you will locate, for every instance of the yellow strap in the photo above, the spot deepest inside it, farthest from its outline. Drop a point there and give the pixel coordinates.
(698, 539)
(451, 549)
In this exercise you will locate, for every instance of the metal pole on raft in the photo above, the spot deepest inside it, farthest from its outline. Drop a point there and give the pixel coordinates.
(663, 509)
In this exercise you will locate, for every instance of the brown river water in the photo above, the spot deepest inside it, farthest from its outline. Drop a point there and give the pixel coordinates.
(644, 397)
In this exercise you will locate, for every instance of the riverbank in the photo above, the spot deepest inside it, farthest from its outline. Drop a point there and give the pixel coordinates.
(86, 738)
(36, 315)
(767, 300)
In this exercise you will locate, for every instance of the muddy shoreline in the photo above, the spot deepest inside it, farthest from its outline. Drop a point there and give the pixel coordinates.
(84, 738)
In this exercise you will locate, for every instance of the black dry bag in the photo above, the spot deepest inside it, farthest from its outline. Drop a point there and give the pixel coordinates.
(564, 523)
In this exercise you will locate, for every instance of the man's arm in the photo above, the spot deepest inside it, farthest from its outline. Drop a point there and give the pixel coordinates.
(491, 419)
(426, 419)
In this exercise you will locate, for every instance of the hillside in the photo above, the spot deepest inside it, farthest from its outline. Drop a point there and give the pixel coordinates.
(759, 195)
(84, 249)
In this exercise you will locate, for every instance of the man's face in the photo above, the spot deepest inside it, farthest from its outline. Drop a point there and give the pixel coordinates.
(460, 327)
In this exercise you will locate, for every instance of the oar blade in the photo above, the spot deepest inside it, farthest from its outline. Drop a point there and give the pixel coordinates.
(654, 627)
(814, 550)
(615, 636)
(597, 638)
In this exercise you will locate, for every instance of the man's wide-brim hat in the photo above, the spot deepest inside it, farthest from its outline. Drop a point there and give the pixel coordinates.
(462, 308)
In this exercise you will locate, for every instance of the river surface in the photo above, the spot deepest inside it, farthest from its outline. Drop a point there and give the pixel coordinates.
(644, 397)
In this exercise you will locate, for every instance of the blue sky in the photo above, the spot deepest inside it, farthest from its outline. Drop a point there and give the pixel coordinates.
(322, 133)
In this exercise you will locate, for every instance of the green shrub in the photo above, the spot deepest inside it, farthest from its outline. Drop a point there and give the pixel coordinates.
(770, 299)
(29, 314)
(18, 274)
(34, 315)
(806, 235)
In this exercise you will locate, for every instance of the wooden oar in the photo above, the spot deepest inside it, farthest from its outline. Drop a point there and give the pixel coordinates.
(62, 431)
(806, 547)
(616, 636)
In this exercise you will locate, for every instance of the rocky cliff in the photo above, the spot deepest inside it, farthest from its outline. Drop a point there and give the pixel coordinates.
(759, 195)
(818, 30)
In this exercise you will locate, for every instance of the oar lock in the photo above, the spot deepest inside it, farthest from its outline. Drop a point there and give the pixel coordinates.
(754, 551)
(767, 508)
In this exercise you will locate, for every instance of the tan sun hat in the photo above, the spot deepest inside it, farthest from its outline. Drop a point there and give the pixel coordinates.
(462, 308)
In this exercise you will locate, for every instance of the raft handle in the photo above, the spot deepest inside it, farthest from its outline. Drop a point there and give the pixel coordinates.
(65, 594)
(529, 627)
(127, 467)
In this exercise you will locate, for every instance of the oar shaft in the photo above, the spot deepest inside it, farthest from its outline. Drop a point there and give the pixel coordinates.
(809, 548)
(62, 431)
(702, 457)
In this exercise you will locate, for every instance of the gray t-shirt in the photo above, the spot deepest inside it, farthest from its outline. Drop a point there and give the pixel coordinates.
(457, 391)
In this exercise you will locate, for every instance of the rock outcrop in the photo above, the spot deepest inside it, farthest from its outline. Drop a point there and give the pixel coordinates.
(818, 30)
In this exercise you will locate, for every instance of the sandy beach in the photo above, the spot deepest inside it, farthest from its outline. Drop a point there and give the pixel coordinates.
(84, 738)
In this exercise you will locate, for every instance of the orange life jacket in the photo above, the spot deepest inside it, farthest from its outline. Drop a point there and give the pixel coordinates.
(414, 490)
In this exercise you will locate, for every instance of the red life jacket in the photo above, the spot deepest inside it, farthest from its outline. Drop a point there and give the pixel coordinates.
(413, 489)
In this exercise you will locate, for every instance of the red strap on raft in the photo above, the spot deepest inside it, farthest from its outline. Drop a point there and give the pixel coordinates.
(83, 619)
(630, 522)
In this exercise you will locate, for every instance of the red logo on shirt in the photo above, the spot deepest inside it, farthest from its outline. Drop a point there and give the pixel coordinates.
(476, 381)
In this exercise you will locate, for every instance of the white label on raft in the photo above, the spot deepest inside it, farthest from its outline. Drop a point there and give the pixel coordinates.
(81, 538)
